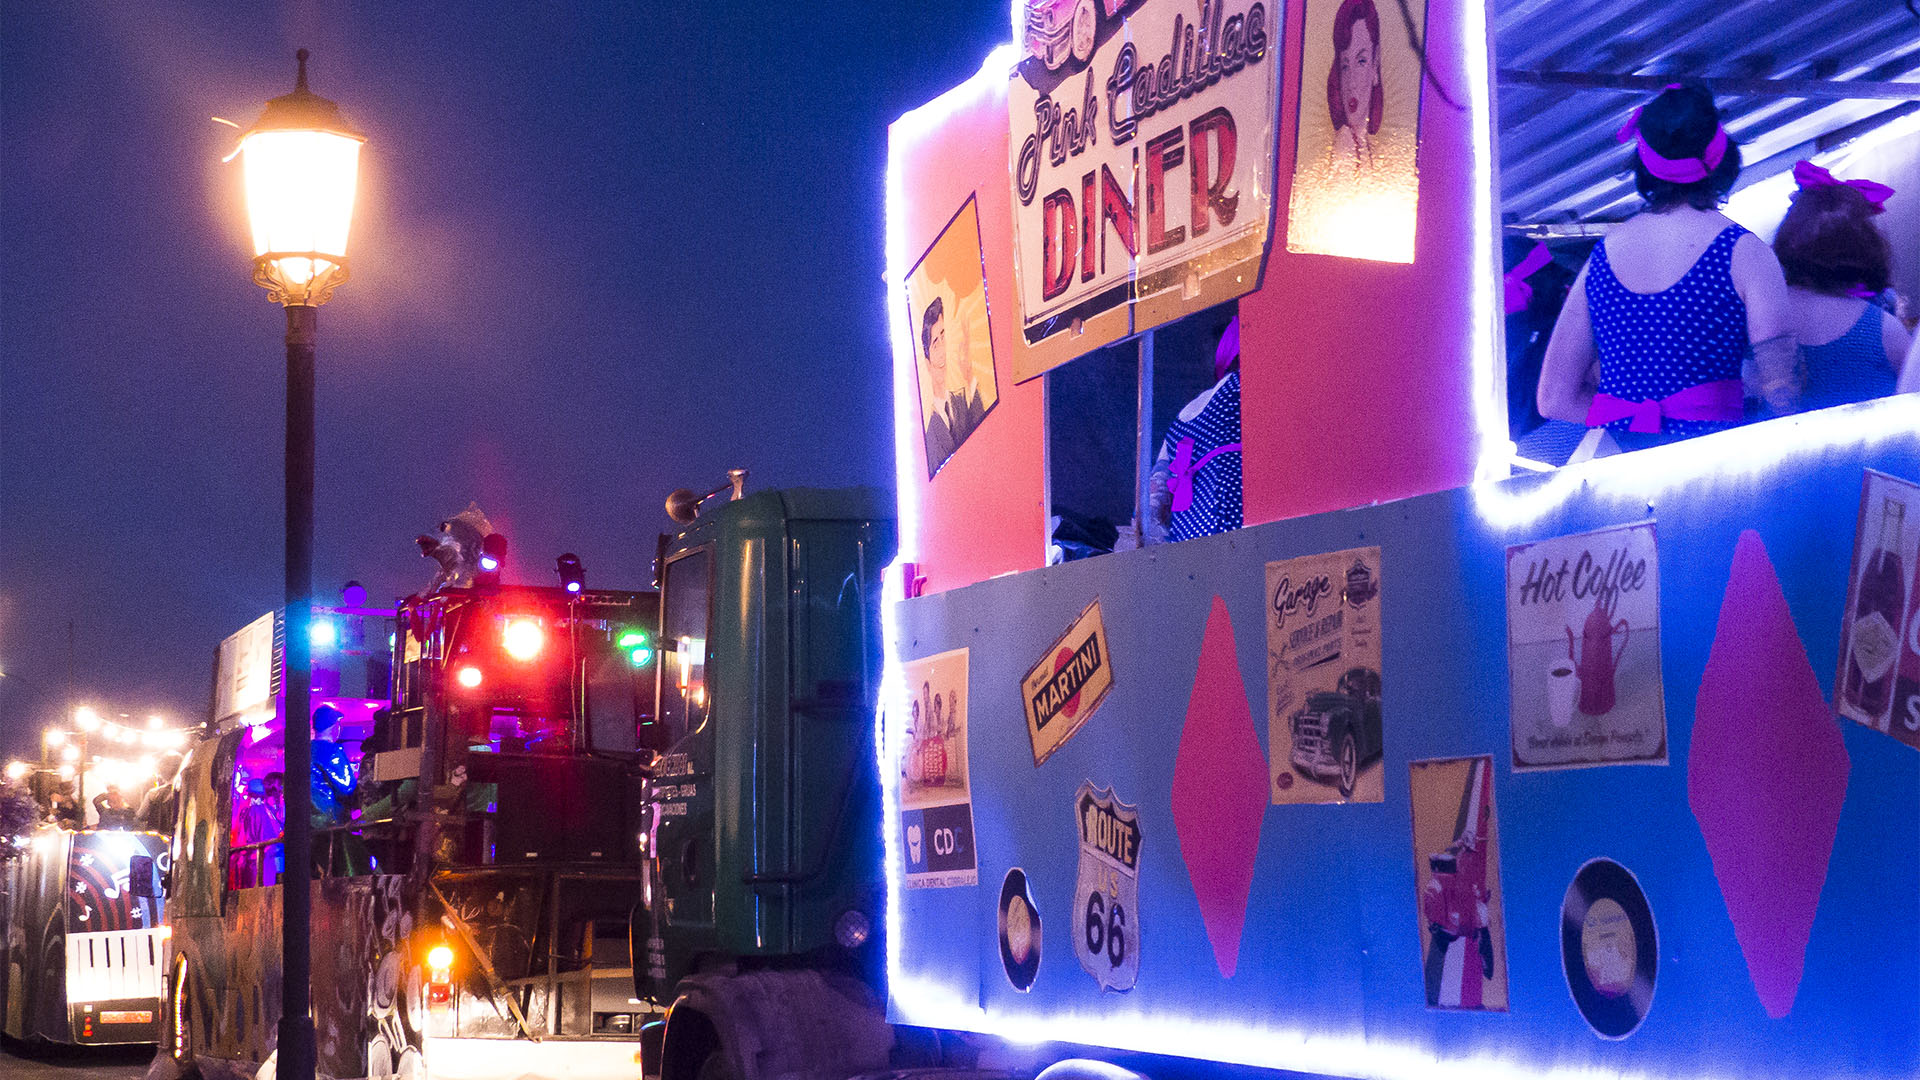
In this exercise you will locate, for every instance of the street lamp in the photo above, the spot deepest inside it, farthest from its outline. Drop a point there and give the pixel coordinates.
(301, 163)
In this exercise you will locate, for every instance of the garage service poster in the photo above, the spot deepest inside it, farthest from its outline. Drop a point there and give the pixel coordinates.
(1323, 677)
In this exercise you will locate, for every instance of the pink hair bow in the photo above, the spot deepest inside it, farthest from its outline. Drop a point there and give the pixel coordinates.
(1519, 293)
(1808, 175)
(1676, 170)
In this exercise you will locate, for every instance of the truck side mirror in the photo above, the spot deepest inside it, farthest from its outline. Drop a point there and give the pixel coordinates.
(140, 876)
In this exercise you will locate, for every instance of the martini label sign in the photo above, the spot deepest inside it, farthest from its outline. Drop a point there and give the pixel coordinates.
(1106, 893)
(1070, 681)
(1142, 165)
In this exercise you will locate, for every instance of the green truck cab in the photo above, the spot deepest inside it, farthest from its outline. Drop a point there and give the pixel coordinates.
(763, 884)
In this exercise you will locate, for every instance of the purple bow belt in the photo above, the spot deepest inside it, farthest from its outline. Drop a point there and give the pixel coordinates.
(1184, 468)
(1721, 400)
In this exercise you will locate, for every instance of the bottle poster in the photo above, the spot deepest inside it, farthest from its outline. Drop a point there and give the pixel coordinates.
(1583, 650)
(1878, 683)
(1323, 678)
(1456, 856)
(936, 801)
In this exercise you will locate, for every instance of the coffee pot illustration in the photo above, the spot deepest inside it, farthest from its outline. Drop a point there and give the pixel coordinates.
(1596, 660)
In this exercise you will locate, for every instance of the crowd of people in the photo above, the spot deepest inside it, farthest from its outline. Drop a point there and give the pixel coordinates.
(1683, 323)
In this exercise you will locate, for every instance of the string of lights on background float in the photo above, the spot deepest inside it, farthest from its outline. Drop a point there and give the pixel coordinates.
(102, 751)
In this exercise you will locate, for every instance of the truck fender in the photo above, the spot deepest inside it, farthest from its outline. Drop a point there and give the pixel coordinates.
(766, 1024)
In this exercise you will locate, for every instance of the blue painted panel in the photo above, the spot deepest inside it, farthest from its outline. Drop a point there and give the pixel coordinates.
(1329, 976)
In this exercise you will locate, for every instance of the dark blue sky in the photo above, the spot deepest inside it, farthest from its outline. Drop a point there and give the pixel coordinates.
(603, 250)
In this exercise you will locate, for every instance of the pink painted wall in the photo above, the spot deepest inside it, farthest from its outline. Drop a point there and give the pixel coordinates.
(1355, 375)
(985, 513)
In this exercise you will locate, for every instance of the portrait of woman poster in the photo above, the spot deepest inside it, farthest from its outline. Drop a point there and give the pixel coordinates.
(1356, 184)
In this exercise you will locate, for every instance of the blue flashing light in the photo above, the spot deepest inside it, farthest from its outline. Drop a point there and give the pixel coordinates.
(322, 633)
(489, 563)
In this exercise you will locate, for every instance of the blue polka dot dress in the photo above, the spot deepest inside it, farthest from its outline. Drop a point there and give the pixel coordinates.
(1852, 367)
(1216, 481)
(1654, 345)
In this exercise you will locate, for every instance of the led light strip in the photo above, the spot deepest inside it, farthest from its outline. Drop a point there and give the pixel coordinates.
(1744, 453)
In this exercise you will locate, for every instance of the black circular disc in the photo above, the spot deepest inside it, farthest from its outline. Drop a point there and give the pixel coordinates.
(1019, 931)
(1608, 948)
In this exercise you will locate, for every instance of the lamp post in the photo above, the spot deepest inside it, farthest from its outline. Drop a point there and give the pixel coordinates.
(301, 164)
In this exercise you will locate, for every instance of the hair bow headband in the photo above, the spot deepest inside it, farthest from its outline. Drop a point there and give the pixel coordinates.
(1519, 293)
(1808, 175)
(1676, 170)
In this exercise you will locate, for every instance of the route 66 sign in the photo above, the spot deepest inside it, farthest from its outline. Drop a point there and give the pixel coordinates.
(1106, 895)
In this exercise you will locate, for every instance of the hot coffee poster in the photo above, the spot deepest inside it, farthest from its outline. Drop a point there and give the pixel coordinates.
(1583, 650)
(1456, 857)
(936, 800)
(1878, 683)
(1324, 726)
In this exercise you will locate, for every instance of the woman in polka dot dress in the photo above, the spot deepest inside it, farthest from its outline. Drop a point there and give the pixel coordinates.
(1195, 487)
(1663, 320)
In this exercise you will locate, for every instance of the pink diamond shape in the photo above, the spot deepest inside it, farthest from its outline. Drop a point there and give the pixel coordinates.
(1766, 775)
(1219, 790)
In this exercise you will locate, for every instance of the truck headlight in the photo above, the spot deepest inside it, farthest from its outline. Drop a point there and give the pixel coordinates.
(852, 929)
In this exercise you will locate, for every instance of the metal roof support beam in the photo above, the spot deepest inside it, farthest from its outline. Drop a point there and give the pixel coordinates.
(1821, 89)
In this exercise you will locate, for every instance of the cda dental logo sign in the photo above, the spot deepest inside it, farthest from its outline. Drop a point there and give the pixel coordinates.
(1106, 893)
(936, 797)
(1142, 165)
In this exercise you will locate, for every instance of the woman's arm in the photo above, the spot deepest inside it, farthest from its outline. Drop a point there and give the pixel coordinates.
(1776, 349)
(1564, 392)
(1910, 375)
(1895, 339)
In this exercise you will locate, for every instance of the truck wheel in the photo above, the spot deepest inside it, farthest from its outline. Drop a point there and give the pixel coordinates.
(1349, 765)
(1085, 23)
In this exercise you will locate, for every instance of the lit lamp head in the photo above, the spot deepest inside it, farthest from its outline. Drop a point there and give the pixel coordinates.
(302, 164)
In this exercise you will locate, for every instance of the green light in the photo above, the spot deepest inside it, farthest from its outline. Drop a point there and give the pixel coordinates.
(640, 656)
(632, 638)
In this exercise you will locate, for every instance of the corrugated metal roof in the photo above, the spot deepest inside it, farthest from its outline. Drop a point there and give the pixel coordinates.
(1558, 159)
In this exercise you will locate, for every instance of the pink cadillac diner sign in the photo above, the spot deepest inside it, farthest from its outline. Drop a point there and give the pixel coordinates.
(1142, 165)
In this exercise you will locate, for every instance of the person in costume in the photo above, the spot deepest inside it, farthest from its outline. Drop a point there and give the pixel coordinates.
(1837, 263)
(1684, 312)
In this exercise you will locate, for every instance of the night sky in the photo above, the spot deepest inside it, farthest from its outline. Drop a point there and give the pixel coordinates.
(601, 250)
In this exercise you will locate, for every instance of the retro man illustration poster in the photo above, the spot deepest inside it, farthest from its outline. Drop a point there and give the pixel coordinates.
(953, 348)
(1355, 185)
(936, 800)
(1456, 856)
(1324, 727)
(1583, 650)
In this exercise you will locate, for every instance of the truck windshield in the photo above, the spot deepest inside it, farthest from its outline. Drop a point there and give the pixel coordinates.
(617, 661)
(685, 604)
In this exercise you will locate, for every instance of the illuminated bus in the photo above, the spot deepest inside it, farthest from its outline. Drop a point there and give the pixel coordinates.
(472, 886)
(82, 959)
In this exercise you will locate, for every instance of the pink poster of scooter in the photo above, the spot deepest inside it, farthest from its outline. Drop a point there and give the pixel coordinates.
(1583, 650)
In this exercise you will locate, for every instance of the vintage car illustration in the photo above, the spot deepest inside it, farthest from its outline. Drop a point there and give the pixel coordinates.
(1057, 30)
(1338, 731)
